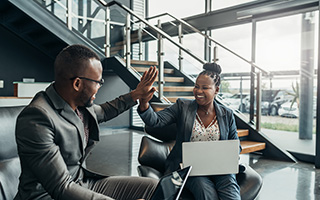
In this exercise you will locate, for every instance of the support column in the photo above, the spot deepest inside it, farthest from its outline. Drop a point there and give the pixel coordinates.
(180, 36)
(207, 43)
(128, 41)
(69, 14)
(252, 73)
(160, 64)
(107, 31)
(207, 47)
(317, 157)
(306, 77)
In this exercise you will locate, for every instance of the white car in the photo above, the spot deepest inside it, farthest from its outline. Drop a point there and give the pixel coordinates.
(286, 110)
(224, 95)
(236, 103)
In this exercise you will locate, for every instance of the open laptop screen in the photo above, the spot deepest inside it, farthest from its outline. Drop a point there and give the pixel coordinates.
(211, 157)
(170, 186)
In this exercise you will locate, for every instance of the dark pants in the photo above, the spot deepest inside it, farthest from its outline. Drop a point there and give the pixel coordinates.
(214, 187)
(123, 187)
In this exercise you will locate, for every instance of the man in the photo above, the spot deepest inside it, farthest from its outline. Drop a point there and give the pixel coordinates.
(56, 131)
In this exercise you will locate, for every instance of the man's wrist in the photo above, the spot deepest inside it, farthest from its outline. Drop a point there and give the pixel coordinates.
(134, 95)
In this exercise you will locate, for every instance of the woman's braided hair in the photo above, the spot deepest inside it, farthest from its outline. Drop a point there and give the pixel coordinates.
(213, 70)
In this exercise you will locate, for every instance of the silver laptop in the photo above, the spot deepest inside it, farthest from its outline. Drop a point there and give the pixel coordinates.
(211, 157)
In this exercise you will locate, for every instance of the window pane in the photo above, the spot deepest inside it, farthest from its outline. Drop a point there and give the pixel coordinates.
(286, 47)
(235, 71)
(218, 4)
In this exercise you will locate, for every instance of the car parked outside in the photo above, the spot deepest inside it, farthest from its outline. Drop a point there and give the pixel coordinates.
(224, 95)
(280, 98)
(237, 101)
(291, 110)
(267, 97)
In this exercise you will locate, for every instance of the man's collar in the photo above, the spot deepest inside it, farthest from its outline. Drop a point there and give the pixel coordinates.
(57, 101)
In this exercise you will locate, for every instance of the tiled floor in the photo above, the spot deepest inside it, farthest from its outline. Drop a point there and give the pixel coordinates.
(116, 154)
(290, 141)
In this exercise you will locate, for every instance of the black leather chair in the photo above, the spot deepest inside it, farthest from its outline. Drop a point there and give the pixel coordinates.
(153, 153)
(9, 160)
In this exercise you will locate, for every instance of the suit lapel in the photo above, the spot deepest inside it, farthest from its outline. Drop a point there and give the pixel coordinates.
(72, 117)
(189, 120)
(66, 112)
(94, 127)
(222, 123)
(191, 114)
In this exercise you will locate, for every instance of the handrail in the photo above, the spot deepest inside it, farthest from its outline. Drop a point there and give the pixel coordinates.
(209, 38)
(253, 65)
(165, 35)
(161, 34)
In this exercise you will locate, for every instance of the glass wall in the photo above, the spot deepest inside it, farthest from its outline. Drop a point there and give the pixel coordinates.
(88, 17)
(287, 48)
(235, 86)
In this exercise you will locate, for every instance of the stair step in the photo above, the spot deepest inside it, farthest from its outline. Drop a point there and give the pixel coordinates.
(114, 52)
(116, 48)
(143, 69)
(178, 89)
(173, 99)
(172, 79)
(144, 62)
(251, 146)
(134, 38)
(243, 132)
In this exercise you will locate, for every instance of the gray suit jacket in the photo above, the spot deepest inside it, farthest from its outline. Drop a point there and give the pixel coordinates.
(183, 113)
(50, 138)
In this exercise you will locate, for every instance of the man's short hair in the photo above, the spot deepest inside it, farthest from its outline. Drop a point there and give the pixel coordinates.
(72, 61)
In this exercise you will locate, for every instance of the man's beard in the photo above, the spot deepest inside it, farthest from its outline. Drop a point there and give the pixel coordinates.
(88, 103)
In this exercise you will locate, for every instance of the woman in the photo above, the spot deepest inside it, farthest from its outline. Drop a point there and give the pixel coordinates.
(202, 119)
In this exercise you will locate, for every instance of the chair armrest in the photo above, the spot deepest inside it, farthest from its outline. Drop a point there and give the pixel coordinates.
(9, 178)
(146, 171)
(153, 153)
(165, 134)
(250, 183)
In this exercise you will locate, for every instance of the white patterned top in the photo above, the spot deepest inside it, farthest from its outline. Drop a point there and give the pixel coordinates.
(202, 133)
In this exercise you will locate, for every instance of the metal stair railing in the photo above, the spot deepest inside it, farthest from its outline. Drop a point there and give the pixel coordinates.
(258, 74)
(161, 34)
(181, 21)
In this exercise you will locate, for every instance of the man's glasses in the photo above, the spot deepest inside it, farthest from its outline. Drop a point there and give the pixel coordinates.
(99, 82)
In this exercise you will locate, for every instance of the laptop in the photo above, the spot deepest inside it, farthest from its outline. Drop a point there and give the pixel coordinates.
(170, 186)
(211, 157)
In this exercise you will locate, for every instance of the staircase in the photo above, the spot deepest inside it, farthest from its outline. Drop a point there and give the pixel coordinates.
(40, 28)
(176, 85)
(249, 146)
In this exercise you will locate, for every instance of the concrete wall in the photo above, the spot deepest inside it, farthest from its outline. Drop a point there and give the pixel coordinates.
(19, 59)
(112, 88)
